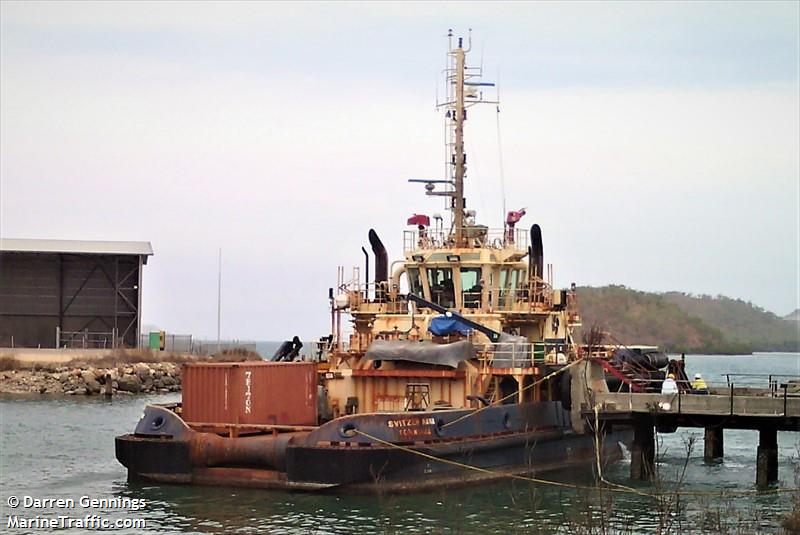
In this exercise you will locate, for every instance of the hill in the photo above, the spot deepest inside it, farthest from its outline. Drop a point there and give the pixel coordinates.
(681, 322)
(793, 316)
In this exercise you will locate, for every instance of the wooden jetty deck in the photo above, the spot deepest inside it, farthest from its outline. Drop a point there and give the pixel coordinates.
(767, 410)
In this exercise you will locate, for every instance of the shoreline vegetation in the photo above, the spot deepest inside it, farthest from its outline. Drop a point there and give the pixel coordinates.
(684, 323)
(118, 372)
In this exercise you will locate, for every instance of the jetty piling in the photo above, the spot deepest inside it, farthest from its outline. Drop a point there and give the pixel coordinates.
(643, 450)
(713, 443)
(767, 457)
(766, 410)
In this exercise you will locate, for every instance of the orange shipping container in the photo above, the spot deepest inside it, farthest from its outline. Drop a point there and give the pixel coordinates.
(283, 393)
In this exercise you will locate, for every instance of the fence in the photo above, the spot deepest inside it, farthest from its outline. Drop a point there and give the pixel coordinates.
(87, 339)
(186, 343)
(209, 347)
(178, 343)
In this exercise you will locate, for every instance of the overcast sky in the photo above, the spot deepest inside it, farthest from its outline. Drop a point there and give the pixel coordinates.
(656, 144)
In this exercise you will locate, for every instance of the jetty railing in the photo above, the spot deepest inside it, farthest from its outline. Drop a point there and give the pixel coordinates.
(779, 387)
(757, 379)
(743, 384)
(720, 400)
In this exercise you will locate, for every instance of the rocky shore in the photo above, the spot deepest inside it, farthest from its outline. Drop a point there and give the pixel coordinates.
(124, 379)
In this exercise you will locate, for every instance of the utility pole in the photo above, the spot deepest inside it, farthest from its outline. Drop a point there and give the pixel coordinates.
(219, 301)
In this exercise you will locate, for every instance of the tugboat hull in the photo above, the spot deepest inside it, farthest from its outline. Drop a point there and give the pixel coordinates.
(362, 454)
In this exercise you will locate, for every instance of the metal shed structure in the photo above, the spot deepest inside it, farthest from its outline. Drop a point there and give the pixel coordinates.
(70, 293)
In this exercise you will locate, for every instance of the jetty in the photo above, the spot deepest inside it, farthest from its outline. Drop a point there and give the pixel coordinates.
(767, 408)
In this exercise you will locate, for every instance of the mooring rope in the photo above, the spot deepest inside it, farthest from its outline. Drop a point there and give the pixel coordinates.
(476, 468)
(613, 487)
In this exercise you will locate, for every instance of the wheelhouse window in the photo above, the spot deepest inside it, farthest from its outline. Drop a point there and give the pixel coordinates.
(443, 291)
(502, 301)
(471, 287)
(511, 284)
(414, 282)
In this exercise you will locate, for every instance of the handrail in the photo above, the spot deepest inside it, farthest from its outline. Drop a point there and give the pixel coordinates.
(732, 389)
(522, 355)
(494, 238)
(732, 393)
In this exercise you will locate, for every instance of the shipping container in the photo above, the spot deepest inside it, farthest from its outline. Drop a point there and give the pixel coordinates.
(277, 393)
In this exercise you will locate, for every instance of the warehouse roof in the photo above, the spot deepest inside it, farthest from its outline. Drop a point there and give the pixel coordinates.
(13, 245)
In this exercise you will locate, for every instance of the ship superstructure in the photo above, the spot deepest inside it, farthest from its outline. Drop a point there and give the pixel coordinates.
(490, 279)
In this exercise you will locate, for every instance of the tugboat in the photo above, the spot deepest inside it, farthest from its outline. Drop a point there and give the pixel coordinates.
(460, 367)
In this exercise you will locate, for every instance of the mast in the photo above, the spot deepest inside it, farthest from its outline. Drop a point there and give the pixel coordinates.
(459, 157)
(464, 89)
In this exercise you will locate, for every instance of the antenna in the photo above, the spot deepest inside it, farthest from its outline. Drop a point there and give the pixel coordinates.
(500, 150)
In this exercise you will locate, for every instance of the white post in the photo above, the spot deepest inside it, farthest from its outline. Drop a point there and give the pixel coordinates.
(219, 301)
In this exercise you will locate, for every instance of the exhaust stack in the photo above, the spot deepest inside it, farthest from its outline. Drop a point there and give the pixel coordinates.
(536, 253)
(381, 258)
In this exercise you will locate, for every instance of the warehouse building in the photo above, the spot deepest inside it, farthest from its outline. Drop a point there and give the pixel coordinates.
(68, 293)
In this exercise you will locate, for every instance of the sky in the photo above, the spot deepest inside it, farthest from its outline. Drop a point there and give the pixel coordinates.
(657, 144)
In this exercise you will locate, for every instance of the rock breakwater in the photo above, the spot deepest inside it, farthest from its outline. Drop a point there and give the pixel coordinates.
(121, 379)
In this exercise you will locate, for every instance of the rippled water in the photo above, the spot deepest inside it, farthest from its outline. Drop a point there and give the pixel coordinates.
(64, 447)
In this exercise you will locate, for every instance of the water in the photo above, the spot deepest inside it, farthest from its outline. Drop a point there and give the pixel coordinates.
(64, 448)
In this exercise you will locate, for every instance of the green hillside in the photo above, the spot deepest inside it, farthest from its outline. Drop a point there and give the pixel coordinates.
(679, 322)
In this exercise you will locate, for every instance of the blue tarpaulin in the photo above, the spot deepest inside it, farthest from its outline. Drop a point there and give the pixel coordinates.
(444, 325)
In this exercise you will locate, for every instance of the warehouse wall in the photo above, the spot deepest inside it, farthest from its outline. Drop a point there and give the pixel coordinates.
(39, 292)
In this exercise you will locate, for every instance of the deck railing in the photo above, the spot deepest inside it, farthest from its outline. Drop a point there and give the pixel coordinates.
(475, 236)
(515, 355)
(533, 296)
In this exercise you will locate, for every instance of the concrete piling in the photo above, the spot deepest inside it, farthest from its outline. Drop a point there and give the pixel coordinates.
(713, 442)
(643, 451)
(767, 457)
